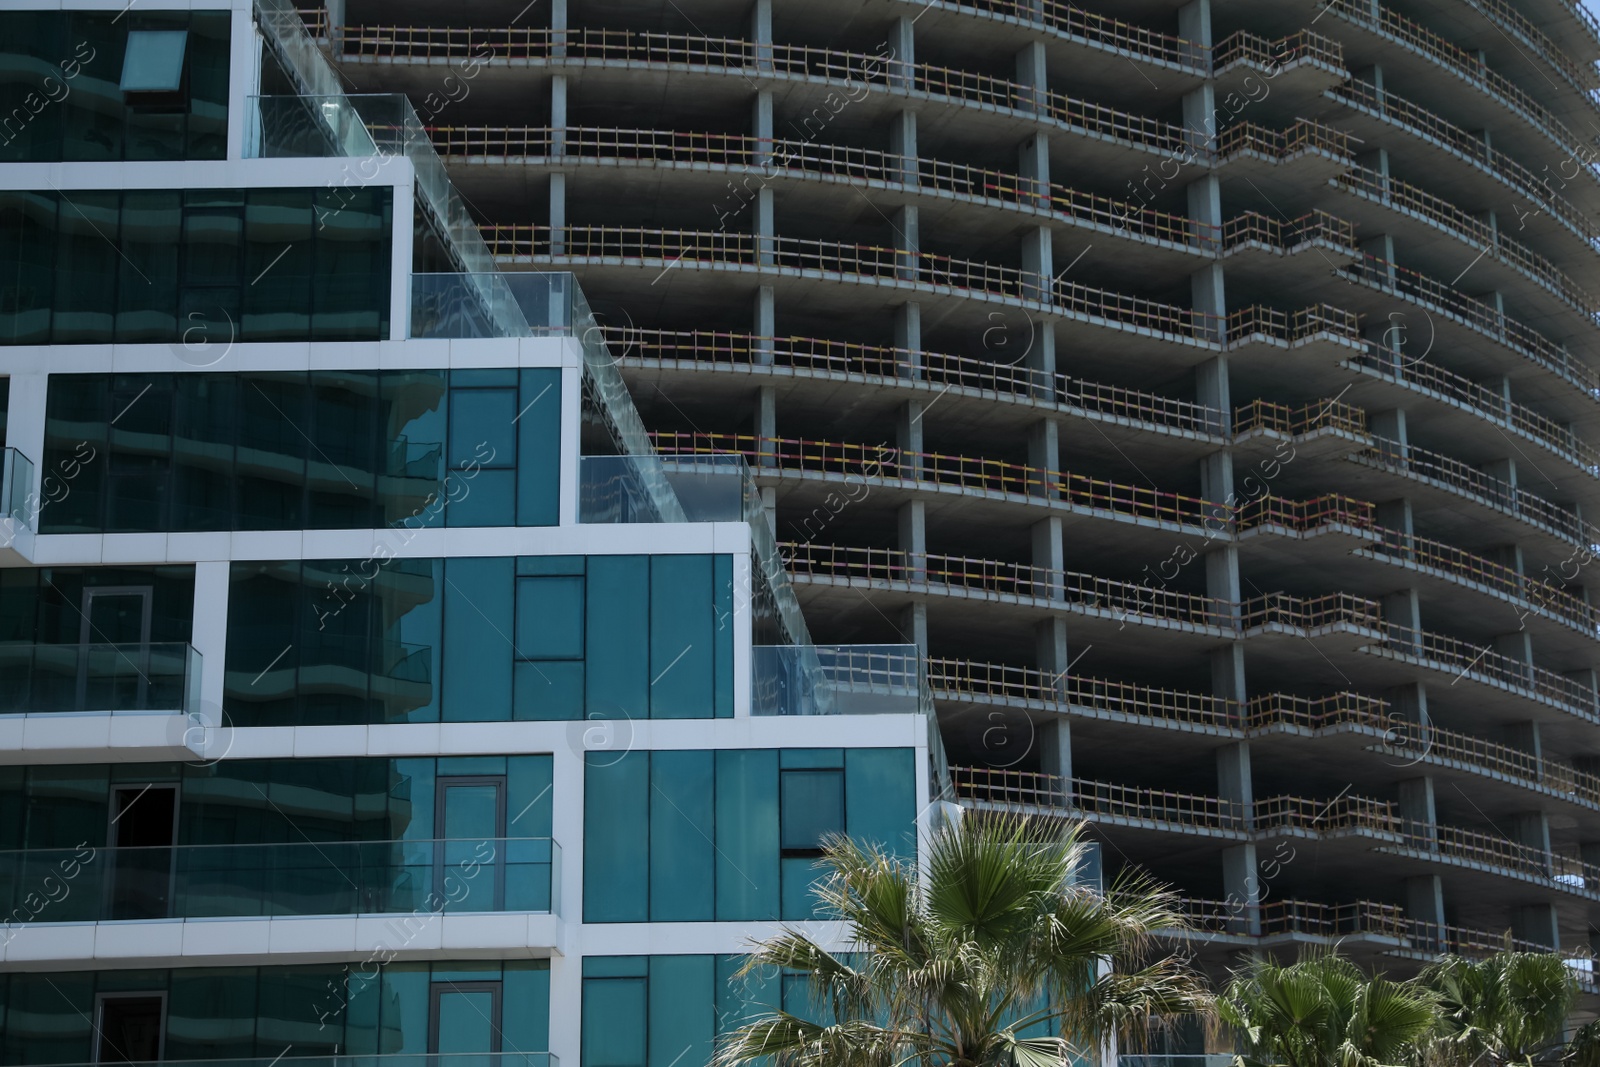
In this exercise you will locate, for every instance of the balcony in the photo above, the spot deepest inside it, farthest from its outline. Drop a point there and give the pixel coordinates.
(100, 702)
(627, 489)
(838, 680)
(301, 878)
(20, 508)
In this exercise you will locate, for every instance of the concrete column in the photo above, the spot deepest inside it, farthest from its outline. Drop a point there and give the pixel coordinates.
(1376, 160)
(1397, 515)
(1402, 610)
(1389, 428)
(1044, 453)
(766, 419)
(908, 337)
(1425, 904)
(558, 213)
(558, 24)
(1537, 923)
(903, 143)
(1033, 165)
(1531, 830)
(1049, 555)
(1200, 120)
(1526, 737)
(1241, 888)
(908, 438)
(1517, 646)
(1050, 651)
(1234, 782)
(1205, 209)
(1054, 739)
(761, 33)
(914, 626)
(1041, 359)
(1038, 264)
(1034, 94)
(1419, 810)
(761, 127)
(1410, 702)
(1211, 388)
(1588, 679)
(902, 53)
(764, 226)
(1505, 472)
(1227, 675)
(558, 115)
(1496, 302)
(908, 243)
(1379, 247)
(913, 522)
(1194, 26)
(765, 325)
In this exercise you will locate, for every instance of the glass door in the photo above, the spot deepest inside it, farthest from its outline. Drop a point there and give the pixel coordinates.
(114, 678)
(465, 1024)
(143, 831)
(469, 861)
(130, 1027)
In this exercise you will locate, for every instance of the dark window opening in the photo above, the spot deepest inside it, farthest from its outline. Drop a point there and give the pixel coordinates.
(143, 831)
(130, 1028)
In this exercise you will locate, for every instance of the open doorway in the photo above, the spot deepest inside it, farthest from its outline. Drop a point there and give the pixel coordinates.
(119, 678)
(130, 1028)
(143, 831)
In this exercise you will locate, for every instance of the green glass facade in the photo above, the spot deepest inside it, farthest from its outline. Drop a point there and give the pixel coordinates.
(732, 835)
(198, 268)
(62, 97)
(365, 1008)
(480, 640)
(317, 450)
(280, 837)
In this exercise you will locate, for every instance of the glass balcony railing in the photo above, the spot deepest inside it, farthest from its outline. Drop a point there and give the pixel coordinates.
(52, 679)
(837, 680)
(477, 305)
(614, 489)
(17, 486)
(296, 878)
(388, 1059)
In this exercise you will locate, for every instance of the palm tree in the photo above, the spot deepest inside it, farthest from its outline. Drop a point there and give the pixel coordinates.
(1321, 1011)
(969, 964)
(1510, 1008)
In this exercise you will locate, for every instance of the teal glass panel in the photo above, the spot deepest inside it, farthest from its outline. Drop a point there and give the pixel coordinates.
(616, 966)
(747, 835)
(722, 676)
(279, 232)
(530, 801)
(539, 448)
(800, 879)
(147, 302)
(550, 618)
(212, 1013)
(478, 620)
(484, 499)
(466, 1022)
(485, 378)
(617, 638)
(548, 690)
(682, 1010)
(742, 999)
(682, 829)
(405, 992)
(616, 843)
(682, 646)
(362, 1015)
(59, 1006)
(813, 807)
(526, 1017)
(881, 791)
(86, 268)
(804, 758)
(27, 262)
(350, 277)
(481, 453)
(537, 565)
(614, 1022)
(152, 61)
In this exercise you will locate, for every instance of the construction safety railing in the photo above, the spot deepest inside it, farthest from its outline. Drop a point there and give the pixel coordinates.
(1307, 713)
(1402, 112)
(1265, 416)
(1303, 516)
(902, 365)
(1310, 613)
(748, 57)
(1095, 801)
(1471, 846)
(1437, 744)
(1509, 18)
(1464, 658)
(1305, 46)
(1344, 812)
(1465, 479)
(1071, 20)
(316, 18)
(805, 456)
(1291, 917)
(1491, 403)
(1458, 563)
(812, 157)
(1293, 327)
(884, 263)
(1535, 347)
(1390, 23)
(956, 679)
(1312, 227)
(1001, 578)
(1470, 229)
(1278, 145)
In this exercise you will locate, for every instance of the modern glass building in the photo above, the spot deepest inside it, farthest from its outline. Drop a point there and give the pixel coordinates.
(372, 694)
(1207, 389)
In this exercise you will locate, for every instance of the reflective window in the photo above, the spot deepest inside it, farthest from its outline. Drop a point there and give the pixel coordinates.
(96, 85)
(731, 835)
(201, 269)
(297, 450)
